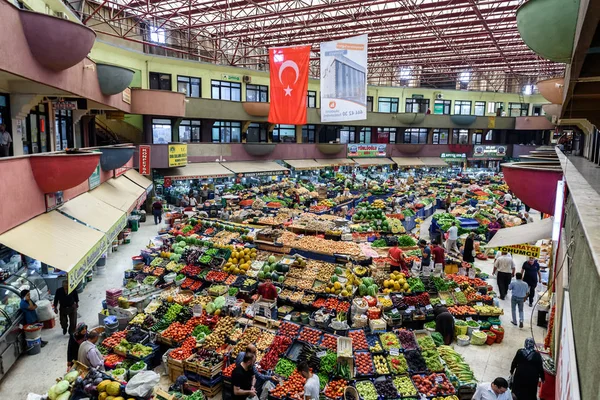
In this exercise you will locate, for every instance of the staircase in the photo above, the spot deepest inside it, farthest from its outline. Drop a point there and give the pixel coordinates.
(116, 130)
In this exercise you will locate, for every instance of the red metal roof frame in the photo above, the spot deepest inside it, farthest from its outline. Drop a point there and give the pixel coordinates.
(438, 39)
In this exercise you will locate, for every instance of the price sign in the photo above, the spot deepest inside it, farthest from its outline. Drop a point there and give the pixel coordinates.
(469, 319)
(395, 311)
(443, 302)
(428, 307)
(495, 327)
(411, 308)
(479, 304)
(394, 351)
(439, 379)
(288, 317)
(457, 289)
(321, 354)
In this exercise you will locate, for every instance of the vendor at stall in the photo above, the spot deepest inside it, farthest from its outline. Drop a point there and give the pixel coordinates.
(267, 290)
(426, 253)
(444, 323)
(88, 354)
(312, 385)
(397, 260)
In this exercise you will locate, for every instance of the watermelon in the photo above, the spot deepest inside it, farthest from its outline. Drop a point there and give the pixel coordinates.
(281, 279)
(275, 277)
(362, 289)
(372, 291)
(338, 271)
(334, 279)
(261, 275)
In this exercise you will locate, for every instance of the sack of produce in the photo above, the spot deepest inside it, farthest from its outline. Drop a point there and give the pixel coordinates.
(44, 310)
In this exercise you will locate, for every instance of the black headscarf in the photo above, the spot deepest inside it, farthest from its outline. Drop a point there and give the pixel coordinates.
(439, 309)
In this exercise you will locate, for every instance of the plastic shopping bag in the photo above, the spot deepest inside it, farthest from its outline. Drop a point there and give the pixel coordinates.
(142, 384)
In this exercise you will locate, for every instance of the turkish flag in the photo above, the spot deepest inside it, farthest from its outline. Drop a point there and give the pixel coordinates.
(289, 84)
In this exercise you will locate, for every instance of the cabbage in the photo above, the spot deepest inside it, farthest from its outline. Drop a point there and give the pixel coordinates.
(52, 394)
(71, 376)
(65, 396)
(219, 302)
(210, 308)
(61, 387)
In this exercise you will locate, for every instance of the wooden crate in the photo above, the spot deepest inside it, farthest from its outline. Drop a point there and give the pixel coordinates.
(202, 370)
(160, 394)
(175, 371)
(209, 391)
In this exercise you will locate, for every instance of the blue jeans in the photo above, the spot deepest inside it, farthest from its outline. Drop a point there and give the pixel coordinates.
(157, 216)
(514, 301)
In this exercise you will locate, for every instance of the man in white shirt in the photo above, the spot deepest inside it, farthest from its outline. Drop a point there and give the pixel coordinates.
(507, 199)
(497, 390)
(312, 387)
(452, 238)
(505, 266)
(5, 141)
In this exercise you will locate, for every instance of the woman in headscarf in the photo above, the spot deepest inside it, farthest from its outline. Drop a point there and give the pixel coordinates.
(468, 250)
(444, 323)
(527, 369)
(75, 340)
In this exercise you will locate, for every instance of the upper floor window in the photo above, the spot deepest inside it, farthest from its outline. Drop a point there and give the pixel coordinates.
(309, 133)
(460, 136)
(257, 93)
(518, 109)
(370, 103)
(347, 134)
(189, 85)
(256, 133)
(189, 130)
(160, 81)
(387, 105)
(284, 133)
(227, 132)
(364, 136)
(415, 135)
(442, 107)
(386, 135)
(311, 99)
(440, 136)
(493, 106)
(476, 137)
(157, 35)
(417, 105)
(161, 131)
(462, 107)
(480, 108)
(224, 90)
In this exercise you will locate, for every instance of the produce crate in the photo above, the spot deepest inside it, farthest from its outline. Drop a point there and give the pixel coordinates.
(206, 390)
(175, 370)
(202, 370)
(344, 346)
(166, 341)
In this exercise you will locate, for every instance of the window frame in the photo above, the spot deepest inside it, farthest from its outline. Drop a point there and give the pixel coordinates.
(391, 131)
(456, 135)
(221, 86)
(416, 101)
(391, 101)
(363, 133)
(350, 130)
(263, 133)
(477, 138)
(436, 136)
(160, 76)
(523, 109)
(421, 135)
(190, 92)
(460, 104)
(309, 130)
(370, 102)
(447, 104)
(283, 127)
(226, 125)
(260, 90)
(311, 95)
(479, 104)
(163, 122)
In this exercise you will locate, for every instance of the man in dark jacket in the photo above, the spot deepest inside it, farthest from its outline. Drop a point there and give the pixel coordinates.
(67, 310)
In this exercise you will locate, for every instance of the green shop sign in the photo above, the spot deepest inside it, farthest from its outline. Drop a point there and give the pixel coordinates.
(489, 152)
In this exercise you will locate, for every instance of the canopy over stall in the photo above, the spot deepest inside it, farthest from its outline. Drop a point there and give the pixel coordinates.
(139, 179)
(256, 168)
(199, 171)
(522, 234)
(96, 213)
(109, 194)
(433, 162)
(335, 162)
(408, 161)
(303, 164)
(60, 242)
(124, 185)
(368, 162)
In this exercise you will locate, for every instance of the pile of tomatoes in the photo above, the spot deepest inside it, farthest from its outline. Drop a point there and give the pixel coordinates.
(112, 360)
(359, 340)
(335, 389)
(216, 276)
(158, 271)
(191, 270)
(329, 342)
(227, 372)
(177, 331)
(319, 303)
(191, 284)
(114, 339)
(185, 351)
(333, 303)
(292, 388)
(288, 329)
(310, 335)
(433, 385)
(364, 363)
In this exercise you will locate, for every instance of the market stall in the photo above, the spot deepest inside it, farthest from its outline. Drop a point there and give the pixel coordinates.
(200, 171)
(303, 165)
(433, 162)
(255, 168)
(408, 162)
(335, 162)
(124, 185)
(120, 199)
(373, 161)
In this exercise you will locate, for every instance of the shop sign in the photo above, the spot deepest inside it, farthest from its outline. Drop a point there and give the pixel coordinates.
(64, 105)
(491, 122)
(263, 173)
(126, 95)
(116, 115)
(489, 151)
(121, 171)
(177, 154)
(227, 77)
(116, 228)
(366, 150)
(144, 161)
(522, 250)
(54, 200)
(94, 179)
(77, 273)
(454, 156)
(186, 177)
(438, 108)
(567, 377)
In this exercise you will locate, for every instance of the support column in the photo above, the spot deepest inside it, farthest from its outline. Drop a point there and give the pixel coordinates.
(77, 131)
(298, 133)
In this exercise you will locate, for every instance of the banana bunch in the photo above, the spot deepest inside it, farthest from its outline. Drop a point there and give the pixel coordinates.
(378, 204)
(360, 270)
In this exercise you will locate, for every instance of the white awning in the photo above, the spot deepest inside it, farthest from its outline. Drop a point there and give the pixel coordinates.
(199, 171)
(256, 168)
(303, 164)
(59, 241)
(335, 162)
(523, 234)
(433, 162)
(138, 179)
(408, 161)
(96, 213)
(372, 161)
(109, 194)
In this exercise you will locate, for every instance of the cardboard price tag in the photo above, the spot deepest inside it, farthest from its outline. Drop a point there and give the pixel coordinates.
(395, 311)
(288, 317)
(411, 308)
(321, 354)
(443, 302)
(469, 319)
(457, 289)
(495, 327)
(429, 307)
(394, 351)
(479, 304)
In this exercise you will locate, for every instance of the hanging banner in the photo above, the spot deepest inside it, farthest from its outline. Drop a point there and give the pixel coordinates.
(144, 161)
(522, 249)
(366, 150)
(289, 84)
(344, 79)
(489, 151)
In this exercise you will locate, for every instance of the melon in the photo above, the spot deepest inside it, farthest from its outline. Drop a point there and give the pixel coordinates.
(113, 388)
(362, 289)
(102, 396)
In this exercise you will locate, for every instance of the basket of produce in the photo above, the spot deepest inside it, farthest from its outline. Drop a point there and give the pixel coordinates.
(405, 387)
(491, 338)
(416, 362)
(350, 393)
(472, 326)
(407, 339)
(484, 325)
(460, 328)
(434, 385)
(335, 389)
(385, 388)
(374, 344)
(381, 364)
(359, 340)
(366, 390)
(499, 332)
(478, 338)
(463, 340)
(430, 326)
(494, 321)
(364, 364)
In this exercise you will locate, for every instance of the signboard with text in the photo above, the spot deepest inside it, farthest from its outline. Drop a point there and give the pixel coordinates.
(522, 250)
(492, 151)
(366, 150)
(144, 161)
(454, 156)
(78, 272)
(94, 179)
(177, 154)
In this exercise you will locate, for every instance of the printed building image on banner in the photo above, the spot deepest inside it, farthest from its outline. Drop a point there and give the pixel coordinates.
(344, 79)
(289, 84)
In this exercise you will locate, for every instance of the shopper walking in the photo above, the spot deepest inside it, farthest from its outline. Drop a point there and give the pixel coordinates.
(496, 390)
(5, 141)
(75, 340)
(531, 275)
(505, 266)
(469, 248)
(28, 308)
(444, 323)
(157, 211)
(425, 253)
(438, 254)
(88, 353)
(527, 369)
(452, 238)
(519, 293)
(66, 304)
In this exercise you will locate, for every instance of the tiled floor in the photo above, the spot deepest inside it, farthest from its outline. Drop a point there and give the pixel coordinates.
(37, 373)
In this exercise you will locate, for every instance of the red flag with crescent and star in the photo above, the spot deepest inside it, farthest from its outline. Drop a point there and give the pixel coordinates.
(289, 84)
